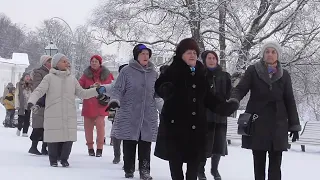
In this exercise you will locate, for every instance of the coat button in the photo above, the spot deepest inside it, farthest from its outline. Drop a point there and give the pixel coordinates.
(194, 86)
(194, 99)
(172, 121)
(193, 127)
(193, 73)
(193, 113)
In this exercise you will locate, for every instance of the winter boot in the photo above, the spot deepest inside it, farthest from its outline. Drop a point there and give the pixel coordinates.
(54, 164)
(33, 149)
(18, 133)
(64, 163)
(116, 160)
(99, 153)
(24, 135)
(91, 152)
(144, 169)
(129, 175)
(44, 150)
(215, 159)
(201, 171)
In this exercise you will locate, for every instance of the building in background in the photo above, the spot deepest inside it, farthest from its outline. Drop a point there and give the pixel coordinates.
(12, 69)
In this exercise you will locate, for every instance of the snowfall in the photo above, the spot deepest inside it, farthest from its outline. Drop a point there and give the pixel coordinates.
(17, 164)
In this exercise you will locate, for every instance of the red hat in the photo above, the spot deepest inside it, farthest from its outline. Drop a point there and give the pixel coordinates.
(97, 57)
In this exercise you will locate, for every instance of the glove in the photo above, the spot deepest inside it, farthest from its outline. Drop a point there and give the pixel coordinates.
(29, 106)
(112, 105)
(101, 90)
(96, 85)
(232, 106)
(167, 90)
(35, 109)
(294, 135)
(103, 99)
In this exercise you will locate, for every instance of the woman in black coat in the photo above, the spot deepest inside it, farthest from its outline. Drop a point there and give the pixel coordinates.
(271, 98)
(220, 86)
(183, 127)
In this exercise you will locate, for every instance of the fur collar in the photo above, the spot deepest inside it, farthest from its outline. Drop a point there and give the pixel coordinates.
(60, 73)
(103, 75)
(263, 72)
(136, 65)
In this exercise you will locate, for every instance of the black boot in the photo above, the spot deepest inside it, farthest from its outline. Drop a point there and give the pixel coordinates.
(129, 175)
(91, 152)
(144, 169)
(215, 159)
(116, 160)
(54, 164)
(64, 163)
(99, 153)
(44, 150)
(201, 171)
(33, 149)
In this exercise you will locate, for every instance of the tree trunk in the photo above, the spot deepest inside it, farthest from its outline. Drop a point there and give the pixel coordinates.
(222, 33)
(194, 22)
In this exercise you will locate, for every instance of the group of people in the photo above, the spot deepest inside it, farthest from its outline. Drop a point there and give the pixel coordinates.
(191, 98)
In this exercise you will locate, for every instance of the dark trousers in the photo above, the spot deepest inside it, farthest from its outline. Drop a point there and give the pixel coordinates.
(129, 155)
(116, 143)
(215, 159)
(177, 172)
(59, 151)
(274, 170)
(37, 134)
(9, 117)
(24, 121)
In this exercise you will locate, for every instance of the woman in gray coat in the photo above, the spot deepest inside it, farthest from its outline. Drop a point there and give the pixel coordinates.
(136, 122)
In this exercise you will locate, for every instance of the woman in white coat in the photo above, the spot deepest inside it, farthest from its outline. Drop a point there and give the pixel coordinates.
(60, 119)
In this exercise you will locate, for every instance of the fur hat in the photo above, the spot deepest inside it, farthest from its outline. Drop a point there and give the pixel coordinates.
(187, 44)
(44, 59)
(138, 49)
(205, 54)
(271, 44)
(56, 58)
(97, 57)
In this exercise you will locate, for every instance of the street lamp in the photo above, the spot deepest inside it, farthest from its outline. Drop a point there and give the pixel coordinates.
(51, 49)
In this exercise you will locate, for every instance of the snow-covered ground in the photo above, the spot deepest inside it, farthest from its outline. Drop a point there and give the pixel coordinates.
(17, 164)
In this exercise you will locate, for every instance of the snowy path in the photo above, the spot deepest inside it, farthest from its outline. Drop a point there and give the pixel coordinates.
(17, 164)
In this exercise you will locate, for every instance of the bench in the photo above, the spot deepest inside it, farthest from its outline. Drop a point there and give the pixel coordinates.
(232, 129)
(310, 135)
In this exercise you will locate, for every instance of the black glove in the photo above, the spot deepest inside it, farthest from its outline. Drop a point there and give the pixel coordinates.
(294, 135)
(112, 105)
(103, 99)
(167, 90)
(232, 106)
(29, 106)
(101, 90)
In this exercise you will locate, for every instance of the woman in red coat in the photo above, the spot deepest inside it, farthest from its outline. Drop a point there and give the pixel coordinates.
(93, 112)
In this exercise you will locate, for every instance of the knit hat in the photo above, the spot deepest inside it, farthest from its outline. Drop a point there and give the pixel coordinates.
(187, 44)
(44, 59)
(122, 66)
(138, 49)
(56, 58)
(97, 57)
(271, 44)
(205, 54)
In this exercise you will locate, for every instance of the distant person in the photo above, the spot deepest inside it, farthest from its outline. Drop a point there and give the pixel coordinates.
(60, 117)
(10, 110)
(6, 90)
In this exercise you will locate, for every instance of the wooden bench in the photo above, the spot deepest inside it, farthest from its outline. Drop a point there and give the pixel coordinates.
(232, 130)
(310, 135)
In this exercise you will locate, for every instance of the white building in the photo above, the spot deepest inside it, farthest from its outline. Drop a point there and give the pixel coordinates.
(12, 69)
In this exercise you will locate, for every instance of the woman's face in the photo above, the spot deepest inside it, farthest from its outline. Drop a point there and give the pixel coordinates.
(27, 78)
(211, 61)
(270, 55)
(63, 64)
(190, 57)
(143, 57)
(94, 63)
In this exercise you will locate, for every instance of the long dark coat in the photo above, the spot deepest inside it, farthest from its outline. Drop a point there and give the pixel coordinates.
(220, 85)
(183, 127)
(273, 101)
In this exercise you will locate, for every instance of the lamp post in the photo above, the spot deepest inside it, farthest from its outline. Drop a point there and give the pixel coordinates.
(72, 44)
(51, 49)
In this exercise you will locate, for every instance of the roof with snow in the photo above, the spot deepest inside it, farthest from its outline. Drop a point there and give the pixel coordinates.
(17, 59)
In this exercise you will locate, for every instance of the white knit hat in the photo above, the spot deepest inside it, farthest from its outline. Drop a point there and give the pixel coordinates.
(56, 58)
(271, 44)
(44, 59)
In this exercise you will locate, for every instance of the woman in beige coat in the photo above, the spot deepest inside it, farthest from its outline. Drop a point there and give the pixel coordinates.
(60, 119)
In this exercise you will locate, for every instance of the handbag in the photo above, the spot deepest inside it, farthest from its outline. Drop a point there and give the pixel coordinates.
(112, 114)
(246, 124)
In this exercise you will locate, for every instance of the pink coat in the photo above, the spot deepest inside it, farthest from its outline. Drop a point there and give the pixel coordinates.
(91, 108)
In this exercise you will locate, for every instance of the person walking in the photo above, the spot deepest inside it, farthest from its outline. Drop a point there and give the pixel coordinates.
(136, 121)
(93, 112)
(38, 117)
(22, 94)
(272, 101)
(220, 86)
(60, 118)
(183, 126)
